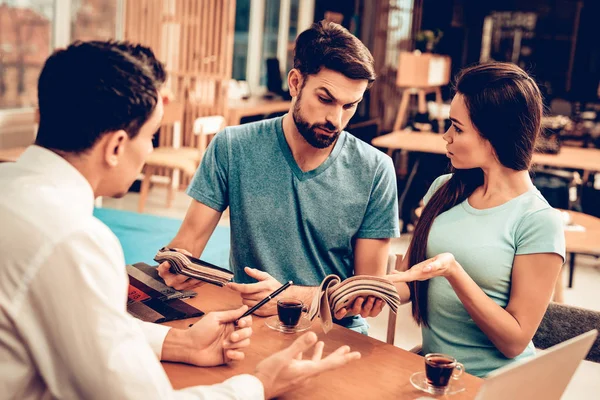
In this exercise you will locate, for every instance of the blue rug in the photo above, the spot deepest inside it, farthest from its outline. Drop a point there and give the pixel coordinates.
(141, 235)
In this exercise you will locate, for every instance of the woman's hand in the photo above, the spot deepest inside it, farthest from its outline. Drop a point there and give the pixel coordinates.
(443, 264)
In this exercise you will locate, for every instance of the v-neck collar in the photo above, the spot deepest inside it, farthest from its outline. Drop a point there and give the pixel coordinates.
(289, 157)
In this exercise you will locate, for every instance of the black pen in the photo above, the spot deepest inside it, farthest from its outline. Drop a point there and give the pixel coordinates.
(266, 300)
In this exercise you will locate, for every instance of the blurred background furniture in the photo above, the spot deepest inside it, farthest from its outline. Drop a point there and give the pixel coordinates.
(177, 159)
(421, 74)
(584, 159)
(11, 154)
(394, 263)
(582, 236)
(255, 105)
(587, 159)
(562, 322)
(161, 159)
(194, 39)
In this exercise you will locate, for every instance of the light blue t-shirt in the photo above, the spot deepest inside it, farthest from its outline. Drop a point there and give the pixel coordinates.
(296, 225)
(485, 243)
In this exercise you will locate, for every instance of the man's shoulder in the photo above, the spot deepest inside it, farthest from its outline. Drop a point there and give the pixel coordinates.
(252, 131)
(43, 217)
(364, 153)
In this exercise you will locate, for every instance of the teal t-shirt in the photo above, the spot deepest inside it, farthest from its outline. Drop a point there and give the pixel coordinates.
(485, 243)
(295, 225)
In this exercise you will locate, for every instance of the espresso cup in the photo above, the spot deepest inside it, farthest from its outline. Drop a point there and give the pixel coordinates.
(439, 369)
(289, 311)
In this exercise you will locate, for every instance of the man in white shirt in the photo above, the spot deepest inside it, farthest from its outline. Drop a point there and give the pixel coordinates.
(64, 329)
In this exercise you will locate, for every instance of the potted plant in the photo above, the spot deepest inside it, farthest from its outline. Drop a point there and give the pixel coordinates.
(427, 40)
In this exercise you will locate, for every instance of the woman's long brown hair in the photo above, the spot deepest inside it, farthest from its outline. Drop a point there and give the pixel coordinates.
(505, 106)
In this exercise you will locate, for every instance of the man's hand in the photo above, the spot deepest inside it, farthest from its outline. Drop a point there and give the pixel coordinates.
(443, 264)
(371, 307)
(177, 281)
(213, 340)
(287, 369)
(252, 293)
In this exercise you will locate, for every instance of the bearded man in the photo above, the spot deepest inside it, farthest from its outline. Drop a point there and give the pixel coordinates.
(306, 198)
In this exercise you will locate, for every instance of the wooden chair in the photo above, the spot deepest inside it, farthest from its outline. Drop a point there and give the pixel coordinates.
(394, 262)
(421, 74)
(176, 158)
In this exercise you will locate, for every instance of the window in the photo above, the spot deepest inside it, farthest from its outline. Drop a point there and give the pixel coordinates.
(399, 30)
(270, 36)
(267, 29)
(31, 29)
(25, 42)
(293, 33)
(240, 41)
(93, 19)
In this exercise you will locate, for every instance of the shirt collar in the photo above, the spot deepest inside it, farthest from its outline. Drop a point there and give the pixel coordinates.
(61, 174)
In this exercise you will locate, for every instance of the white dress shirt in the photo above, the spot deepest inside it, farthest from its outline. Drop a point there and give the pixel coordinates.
(64, 329)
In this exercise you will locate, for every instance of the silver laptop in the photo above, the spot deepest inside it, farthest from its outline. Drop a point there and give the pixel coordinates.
(545, 376)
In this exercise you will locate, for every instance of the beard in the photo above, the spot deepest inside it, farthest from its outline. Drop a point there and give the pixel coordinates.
(309, 131)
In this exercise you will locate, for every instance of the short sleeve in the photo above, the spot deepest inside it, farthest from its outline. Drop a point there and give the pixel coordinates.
(541, 232)
(210, 184)
(439, 181)
(381, 216)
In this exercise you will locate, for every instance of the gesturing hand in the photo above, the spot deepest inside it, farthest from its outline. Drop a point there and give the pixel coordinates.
(443, 264)
(287, 369)
(252, 293)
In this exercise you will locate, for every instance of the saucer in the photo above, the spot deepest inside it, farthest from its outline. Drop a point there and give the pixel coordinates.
(273, 322)
(419, 380)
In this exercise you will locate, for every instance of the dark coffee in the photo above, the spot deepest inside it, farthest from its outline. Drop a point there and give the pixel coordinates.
(289, 311)
(439, 370)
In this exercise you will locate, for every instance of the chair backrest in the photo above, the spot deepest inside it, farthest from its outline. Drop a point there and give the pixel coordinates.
(173, 112)
(394, 262)
(209, 125)
(562, 322)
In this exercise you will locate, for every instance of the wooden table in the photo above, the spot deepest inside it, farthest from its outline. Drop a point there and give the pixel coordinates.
(255, 105)
(582, 242)
(383, 372)
(587, 160)
(12, 154)
(425, 142)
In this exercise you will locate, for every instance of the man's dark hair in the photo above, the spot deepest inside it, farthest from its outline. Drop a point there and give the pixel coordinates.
(92, 88)
(329, 45)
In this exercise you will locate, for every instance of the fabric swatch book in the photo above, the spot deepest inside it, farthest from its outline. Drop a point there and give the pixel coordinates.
(149, 299)
(335, 294)
(193, 267)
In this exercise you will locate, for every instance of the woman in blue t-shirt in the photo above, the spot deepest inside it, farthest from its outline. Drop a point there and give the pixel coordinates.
(488, 248)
